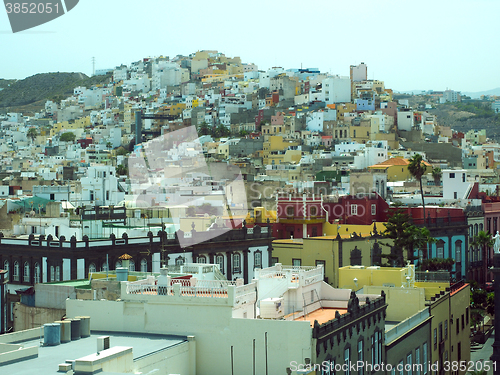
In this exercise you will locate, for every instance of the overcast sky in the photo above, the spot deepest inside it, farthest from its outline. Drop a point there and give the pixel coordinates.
(409, 44)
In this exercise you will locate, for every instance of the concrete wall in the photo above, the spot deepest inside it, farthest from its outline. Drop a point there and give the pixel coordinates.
(53, 296)
(178, 359)
(215, 331)
(26, 317)
(402, 302)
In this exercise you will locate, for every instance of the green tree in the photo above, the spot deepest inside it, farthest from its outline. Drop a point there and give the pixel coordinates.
(121, 170)
(484, 240)
(67, 137)
(243, 133)
(32, 133)
(203, 129)
(109, 145)
(417, 169)
(436, 175)
(405, 236)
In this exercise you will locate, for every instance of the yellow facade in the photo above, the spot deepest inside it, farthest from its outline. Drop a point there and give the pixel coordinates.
(66, 125)
(329, 251)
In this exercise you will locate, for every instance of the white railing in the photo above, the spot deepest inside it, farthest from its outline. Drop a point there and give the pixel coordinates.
(214, 284)
(142, 289)
(264, 230)
(298, 268)
(197, 291)
(249, 230)
(246, 289)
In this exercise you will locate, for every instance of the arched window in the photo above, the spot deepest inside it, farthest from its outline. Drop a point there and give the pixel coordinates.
(144, 265)
(458, 251)
(179, 261)
(52, 274)
(15, 273)
(314, 210)
(26, 272)
(58, 273)
(6, 268)
(131, 265)
(104, 267)
(480, 227)
(118, 264)
(201, 259)
(219, 259)
(92, 268)
(236, 262)
(257, 259)
(475, 229)
(36, 273)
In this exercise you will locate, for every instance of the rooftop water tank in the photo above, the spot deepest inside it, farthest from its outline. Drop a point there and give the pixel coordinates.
(51, 334)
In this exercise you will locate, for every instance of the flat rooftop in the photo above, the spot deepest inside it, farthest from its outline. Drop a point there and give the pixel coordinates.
(322, 315)
(49, 357)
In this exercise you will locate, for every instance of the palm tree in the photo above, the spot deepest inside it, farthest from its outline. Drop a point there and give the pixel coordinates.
(436, 175)
(32, 133)
(484, 240)
(417, 169)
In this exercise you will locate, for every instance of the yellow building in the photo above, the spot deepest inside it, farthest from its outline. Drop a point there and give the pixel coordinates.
(333, 252)
(396, 169)
(274, 149)
(66, 125)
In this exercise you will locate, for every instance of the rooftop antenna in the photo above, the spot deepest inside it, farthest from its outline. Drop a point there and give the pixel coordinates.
(93, 66)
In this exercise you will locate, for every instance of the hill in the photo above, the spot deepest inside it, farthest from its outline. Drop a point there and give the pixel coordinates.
(45, 86)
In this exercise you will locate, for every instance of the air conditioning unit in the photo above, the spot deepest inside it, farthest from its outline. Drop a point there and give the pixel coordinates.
(272, 308)
(102, 343)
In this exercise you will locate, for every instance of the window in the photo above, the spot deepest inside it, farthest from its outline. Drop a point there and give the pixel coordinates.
(289, 211)
(219, 259)
(26, 272)
(435, 338)
(15, 272)
(354, 209)
(440, 332)
(313, 211)
(92, 267)
(455, 195)
(58, 273)
(424, 357)
(320, 263)
(6, 268)
(375, 361)
(144, 265)
(440, 249)
(458, 325)
(118, 264)
(401, 367)
(201, 259)
(463, 177)
(274, 260)
(379, 347)
(467, 315)
(372, 349)
(463, 321)
(296, 262)
(347, 357)
(408, 364)
(360, 355)
(417, 361)
(36, 273)
(374, 209)
(179, 261)
(452, 175)
(236, 262)
(257, 259)
(52, 274)
(131, 265)
(446, 329)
